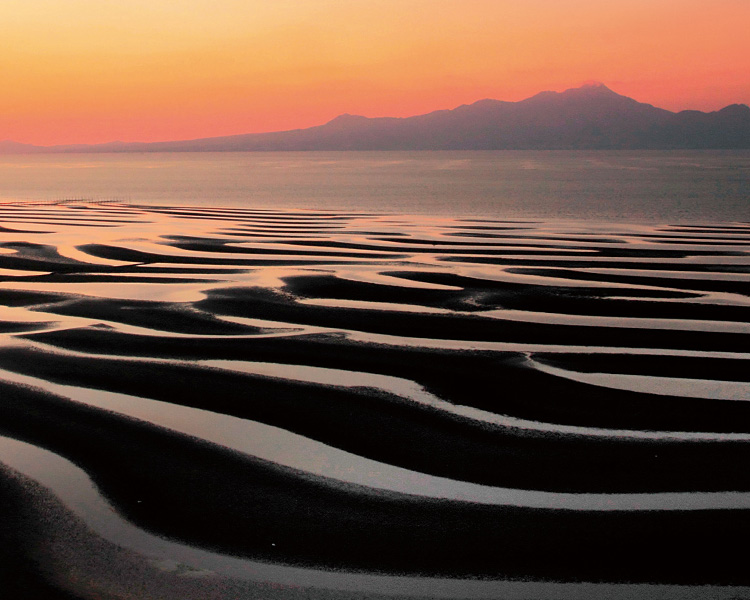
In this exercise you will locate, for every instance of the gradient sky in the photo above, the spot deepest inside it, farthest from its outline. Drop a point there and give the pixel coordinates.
(143, 70)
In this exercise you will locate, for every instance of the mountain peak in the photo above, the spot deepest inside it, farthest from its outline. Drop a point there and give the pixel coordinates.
(736, 109)
(588, 90)
(346, 118)
(593, 84)
(585, 117)
(591, 89)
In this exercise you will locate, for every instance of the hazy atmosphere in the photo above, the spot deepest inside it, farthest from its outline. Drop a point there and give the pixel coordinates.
(84, 71)
(374, 300)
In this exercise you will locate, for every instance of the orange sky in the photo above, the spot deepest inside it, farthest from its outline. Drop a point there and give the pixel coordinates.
(96, 70)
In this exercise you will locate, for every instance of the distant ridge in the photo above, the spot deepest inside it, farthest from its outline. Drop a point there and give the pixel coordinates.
(587, 117)
(11, 147)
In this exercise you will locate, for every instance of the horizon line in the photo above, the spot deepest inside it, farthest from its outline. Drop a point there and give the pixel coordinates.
(589, 84)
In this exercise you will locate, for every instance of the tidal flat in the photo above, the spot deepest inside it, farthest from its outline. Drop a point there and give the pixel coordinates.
(203, 402)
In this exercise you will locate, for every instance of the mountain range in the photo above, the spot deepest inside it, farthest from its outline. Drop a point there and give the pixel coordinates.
(587, 117)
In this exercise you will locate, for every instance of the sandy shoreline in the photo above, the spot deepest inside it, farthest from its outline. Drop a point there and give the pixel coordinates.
(361, 333)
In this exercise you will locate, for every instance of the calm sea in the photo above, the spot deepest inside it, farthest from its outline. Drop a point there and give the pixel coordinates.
(654, 186)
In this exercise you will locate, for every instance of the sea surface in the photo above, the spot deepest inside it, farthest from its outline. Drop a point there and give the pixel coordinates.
(634, 186)
(519, 375)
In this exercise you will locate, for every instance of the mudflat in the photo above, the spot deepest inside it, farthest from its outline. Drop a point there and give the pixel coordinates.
(237, 403)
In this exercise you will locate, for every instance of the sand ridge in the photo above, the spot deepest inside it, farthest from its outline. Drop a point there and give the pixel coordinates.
(590, 378)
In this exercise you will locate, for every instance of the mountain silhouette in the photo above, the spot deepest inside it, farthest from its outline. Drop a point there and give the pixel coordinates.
(587, 117)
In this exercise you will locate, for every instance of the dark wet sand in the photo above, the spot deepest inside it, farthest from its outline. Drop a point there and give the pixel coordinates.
(551, 361)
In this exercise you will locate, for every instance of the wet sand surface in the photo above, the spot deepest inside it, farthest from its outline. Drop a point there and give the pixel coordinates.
(230, 403)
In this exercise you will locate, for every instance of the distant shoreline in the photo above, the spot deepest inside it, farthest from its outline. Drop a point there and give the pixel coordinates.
(584, 118)
(651, 186)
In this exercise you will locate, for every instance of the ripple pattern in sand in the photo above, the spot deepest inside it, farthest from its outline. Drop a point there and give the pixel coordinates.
(389, 394)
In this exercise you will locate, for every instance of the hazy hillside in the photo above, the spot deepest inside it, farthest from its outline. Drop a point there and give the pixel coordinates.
(589, 117)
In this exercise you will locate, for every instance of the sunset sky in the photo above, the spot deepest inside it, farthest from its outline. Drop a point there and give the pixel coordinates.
(144, 70)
